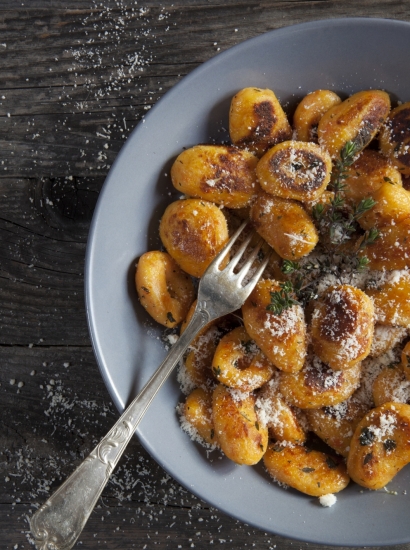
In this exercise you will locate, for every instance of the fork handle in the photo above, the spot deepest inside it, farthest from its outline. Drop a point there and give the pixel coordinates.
(57, 524)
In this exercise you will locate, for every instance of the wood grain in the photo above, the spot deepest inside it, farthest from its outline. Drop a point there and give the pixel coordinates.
(76, 77)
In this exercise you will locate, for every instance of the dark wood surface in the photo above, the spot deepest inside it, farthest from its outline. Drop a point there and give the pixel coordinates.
(76, 76)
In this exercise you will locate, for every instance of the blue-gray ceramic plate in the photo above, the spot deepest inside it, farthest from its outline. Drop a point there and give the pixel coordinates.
(344, 55)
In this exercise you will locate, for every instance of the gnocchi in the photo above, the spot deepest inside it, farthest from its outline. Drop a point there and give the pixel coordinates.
(309, 112)
(321, 346)
(257, 120)
(216, 173)
(165, 291)
(356, 120)
(239, 364)
(193, 231)
(395, 138)
(380, 446)
(295, 170)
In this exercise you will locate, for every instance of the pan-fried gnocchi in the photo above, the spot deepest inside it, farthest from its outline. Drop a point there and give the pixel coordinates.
(163, 288)
(321, 347)
(295, 170)
(216, 173)
(309, 112)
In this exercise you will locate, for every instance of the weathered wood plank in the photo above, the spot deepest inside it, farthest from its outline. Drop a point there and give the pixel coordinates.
(43, 231)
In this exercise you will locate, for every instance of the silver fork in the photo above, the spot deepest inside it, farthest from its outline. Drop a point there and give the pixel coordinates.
(58, 523)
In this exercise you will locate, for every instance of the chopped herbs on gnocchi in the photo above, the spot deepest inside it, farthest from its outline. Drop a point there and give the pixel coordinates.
(320, 350)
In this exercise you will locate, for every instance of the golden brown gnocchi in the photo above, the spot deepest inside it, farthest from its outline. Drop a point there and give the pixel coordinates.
(217, 173)
(391, 385)
(282, 338)
(309, 112)
(380, 446)
(342, 326)
(257, 120)
(356, 120)
(395, 138)
(295, 170)
(392, 206)
(391, 300)
(392, 248)
(197, 413)
(285, 423)
(385, 338)
(193, 231)
(367, 174)
(317, 385)
(239, 364)
(335, 424)
(241, 436)
(164, 290)
(285, 226)
(311, 472)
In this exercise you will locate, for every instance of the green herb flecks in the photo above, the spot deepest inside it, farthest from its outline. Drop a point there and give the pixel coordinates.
(347, 158)
(245, 417)
(282, 299)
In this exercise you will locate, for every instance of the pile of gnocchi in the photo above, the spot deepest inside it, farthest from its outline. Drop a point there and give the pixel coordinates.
(312, 376)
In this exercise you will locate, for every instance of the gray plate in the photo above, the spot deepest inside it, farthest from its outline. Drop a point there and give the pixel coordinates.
(345, 55)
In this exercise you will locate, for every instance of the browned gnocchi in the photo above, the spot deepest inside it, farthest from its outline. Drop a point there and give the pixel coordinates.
(193, 231)
(257, 120)
(165, 291)
(368, 173)
(356, 120)
(395, 138)
(380, 446)
(393, 248)
(216, 173)
(239, 364)
(391, 300)
(197, 413)
(317, 385)
(335, 424)
(342, 327)
(320, 348)
(282, 338)
(311, 472)
(295, 170)
(285, 423)
(309, 112)
(391, 385)
(242, 437)
(392, 206)
(385, 338)
(285, 225)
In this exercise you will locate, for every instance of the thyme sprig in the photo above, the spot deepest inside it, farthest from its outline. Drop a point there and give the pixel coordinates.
(282, 299)
(340, 174)
(340, 219)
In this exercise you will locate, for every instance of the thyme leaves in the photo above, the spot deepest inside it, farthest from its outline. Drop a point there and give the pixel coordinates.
(282, 299)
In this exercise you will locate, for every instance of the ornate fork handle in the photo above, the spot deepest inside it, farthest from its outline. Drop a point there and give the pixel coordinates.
(58, 523)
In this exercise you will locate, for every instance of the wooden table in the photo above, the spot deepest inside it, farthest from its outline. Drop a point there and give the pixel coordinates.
(76, 76)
